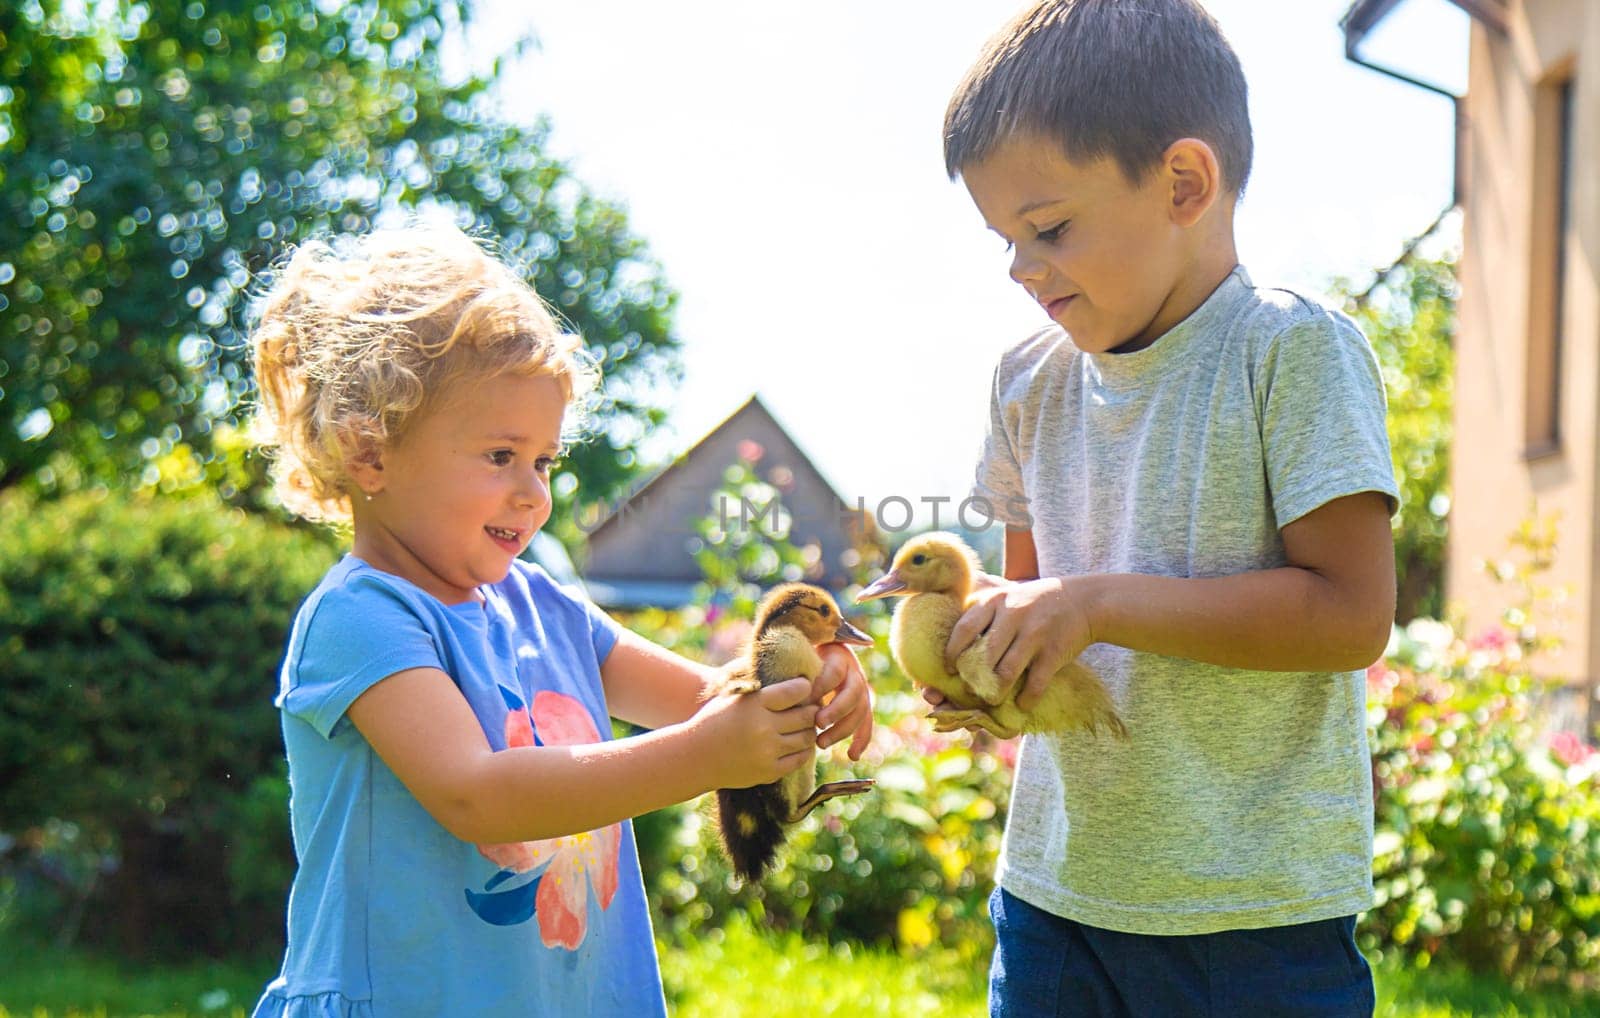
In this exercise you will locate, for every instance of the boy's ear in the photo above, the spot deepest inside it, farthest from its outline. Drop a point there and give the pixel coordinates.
(1195, 178)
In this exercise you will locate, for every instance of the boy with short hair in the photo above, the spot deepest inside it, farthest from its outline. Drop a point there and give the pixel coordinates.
(1209, 488)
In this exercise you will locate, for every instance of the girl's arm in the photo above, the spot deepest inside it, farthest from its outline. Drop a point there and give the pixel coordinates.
(653, 687)
(1328, 609)
(422, 727)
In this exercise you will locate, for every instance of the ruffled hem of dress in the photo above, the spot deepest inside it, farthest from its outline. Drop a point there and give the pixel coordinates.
(312, 1005)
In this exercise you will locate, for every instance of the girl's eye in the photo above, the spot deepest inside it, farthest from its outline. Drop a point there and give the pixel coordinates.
(502, 457)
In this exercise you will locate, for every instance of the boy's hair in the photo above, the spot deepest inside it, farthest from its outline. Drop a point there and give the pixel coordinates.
(1118, 78)
(357, 334)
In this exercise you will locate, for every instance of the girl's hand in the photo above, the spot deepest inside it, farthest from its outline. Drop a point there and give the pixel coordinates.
(756, 738)
(841, 687)
(1034, 627)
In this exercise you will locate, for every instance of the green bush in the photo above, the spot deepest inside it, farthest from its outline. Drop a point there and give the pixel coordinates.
(141, 766)
(1409, 314)
(1488, 826)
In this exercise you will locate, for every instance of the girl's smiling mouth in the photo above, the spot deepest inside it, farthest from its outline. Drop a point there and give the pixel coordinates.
(506, 537)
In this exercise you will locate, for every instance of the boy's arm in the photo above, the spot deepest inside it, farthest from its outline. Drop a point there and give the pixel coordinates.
(1328, 609)
(653, 687)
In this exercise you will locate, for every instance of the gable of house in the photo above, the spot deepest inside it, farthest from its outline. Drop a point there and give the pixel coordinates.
(642, 553)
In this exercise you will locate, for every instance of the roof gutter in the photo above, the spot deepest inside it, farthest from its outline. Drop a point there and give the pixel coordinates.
(1359, 21)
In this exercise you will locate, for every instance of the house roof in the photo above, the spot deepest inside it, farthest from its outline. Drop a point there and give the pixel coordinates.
(752, 403)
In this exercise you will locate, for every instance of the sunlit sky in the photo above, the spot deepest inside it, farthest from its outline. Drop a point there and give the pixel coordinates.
(784, 164)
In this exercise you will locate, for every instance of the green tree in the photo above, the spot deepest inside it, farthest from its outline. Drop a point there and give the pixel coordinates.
(1409, 314)
(154, 158)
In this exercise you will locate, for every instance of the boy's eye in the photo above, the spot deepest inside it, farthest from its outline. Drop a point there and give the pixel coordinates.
(502, 457)
(545, 464)
(1054, 233)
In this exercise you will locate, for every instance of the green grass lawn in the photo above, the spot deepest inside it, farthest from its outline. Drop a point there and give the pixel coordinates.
(739, 973)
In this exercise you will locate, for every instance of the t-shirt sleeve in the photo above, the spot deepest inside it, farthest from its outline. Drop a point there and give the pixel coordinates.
(359, 634)
(603, 629)
(580, 617)
(1323, 408)
(998, 479)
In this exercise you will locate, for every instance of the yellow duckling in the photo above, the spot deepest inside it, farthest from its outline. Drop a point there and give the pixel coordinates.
(937, 570)
(791, 622)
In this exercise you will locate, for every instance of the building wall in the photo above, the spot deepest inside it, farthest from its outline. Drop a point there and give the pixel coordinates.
(1507, 270)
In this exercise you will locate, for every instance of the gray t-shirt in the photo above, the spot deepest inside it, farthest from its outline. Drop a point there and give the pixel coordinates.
(1242, 799)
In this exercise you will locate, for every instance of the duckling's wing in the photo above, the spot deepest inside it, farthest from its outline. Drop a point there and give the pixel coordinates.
(973, 664)
(783, 654)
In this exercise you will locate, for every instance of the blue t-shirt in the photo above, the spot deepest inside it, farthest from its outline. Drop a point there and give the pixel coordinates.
(392, 915)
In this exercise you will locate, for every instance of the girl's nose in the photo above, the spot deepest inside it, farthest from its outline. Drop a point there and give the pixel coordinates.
(534, 491)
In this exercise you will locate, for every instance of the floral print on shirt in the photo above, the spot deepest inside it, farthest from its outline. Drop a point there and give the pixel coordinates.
(559, 896)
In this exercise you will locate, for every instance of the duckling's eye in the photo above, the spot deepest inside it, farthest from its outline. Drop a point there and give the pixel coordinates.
(918, 559)
(823, 610)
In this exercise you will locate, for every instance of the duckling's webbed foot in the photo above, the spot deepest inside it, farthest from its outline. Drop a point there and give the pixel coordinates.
(824, 792)
(949, 719)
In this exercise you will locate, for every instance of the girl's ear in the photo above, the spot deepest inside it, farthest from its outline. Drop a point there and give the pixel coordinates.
(1195, 177)
(363, 454)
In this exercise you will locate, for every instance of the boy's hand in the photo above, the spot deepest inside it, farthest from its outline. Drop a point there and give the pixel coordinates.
(847, 700)
(1034, 627)
(756, 738)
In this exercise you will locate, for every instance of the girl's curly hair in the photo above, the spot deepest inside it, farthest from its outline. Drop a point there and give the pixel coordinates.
(356, 334)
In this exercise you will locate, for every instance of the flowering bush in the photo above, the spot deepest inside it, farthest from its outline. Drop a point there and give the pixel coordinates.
(1487, 846)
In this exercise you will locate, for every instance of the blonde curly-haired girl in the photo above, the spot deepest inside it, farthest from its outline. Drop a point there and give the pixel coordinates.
(460, 813)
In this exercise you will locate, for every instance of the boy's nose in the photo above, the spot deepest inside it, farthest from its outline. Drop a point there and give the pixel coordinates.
(1026, 269)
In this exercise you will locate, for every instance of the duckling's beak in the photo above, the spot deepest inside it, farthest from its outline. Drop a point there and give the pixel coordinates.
(846, 633)
(885, 585)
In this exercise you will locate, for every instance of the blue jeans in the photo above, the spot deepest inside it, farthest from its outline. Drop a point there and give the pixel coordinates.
(1047, 966)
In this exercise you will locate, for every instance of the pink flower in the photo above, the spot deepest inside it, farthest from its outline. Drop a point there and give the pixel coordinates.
(576, 861)
(726, 642)
(1495, 639)
(1380, 677)
(750, 451)
(1570, 749)
(1005, 750)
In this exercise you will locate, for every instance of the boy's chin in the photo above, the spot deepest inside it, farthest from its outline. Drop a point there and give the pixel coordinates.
(1096, 344)
(1112, 344)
